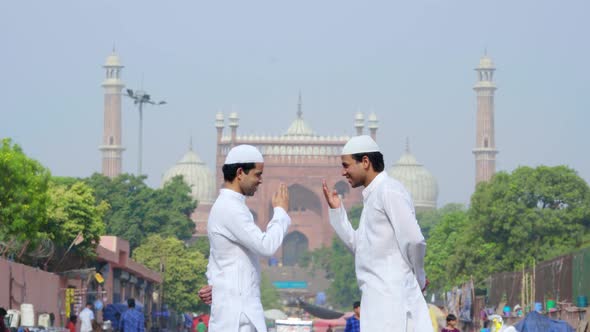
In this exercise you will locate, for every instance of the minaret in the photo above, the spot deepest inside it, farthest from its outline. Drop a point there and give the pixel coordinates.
(219, 125)
(111, 147)
(373, 125)
(485, 142)
(300, 107)
(359, 123)
(233, 125)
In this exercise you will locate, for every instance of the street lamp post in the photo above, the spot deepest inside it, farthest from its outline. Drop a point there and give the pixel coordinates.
(140, 97)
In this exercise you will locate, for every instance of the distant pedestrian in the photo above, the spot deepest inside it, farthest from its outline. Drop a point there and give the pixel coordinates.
(71, 326)
(132, 320)
(451, 324)
(201, 327)
(3, 327)
(353, 323)
(86, 317)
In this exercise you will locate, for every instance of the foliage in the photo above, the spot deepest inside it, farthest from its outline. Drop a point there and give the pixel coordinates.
(442, 245)
(183, 270)
(531, 214)
(429, 219)
(23, 195)
(138, 211)
(200, 244)
(338, 262)
(269, 295)
(72, 210)
(344, 287)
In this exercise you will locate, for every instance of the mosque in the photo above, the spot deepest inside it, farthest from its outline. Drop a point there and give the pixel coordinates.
(300, 158)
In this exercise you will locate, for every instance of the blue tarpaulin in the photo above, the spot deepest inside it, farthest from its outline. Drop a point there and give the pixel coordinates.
(535, 322)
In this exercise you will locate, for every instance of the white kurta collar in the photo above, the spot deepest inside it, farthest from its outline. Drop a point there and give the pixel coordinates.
(371, 187)
(232, 193)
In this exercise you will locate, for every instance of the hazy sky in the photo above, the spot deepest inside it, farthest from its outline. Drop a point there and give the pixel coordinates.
(410, 62)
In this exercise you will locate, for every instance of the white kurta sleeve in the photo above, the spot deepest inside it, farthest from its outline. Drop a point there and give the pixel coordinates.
(340, 223)
(247, 233)
(407, 231)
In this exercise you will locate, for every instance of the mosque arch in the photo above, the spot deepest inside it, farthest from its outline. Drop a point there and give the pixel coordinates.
(342, 188)
(302, 199)
(295, 245)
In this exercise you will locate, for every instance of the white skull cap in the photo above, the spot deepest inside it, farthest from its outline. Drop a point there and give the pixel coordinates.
(360, 144)
(243, 154)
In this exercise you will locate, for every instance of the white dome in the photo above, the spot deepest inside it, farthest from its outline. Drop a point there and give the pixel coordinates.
(485, 62)
(196, 175)
(419, 182)
(299, 129)
(113, 60)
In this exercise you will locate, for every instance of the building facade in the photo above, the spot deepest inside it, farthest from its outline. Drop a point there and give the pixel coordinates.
(301, 159)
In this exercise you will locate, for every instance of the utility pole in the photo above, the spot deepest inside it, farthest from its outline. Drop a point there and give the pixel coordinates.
(140, 97)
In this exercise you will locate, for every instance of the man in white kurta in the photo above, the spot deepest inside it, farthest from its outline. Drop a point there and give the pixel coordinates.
(388, 245)
(237, 243)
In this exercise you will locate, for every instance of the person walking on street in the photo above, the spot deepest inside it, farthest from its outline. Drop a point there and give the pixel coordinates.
(71, 326)
(132, 319)
(86, 317)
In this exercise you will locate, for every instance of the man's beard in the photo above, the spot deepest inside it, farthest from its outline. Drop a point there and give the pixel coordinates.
(250, 191)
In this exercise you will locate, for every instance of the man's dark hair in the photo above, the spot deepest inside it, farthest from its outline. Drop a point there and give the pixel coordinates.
(376, 159)
(73, 318)
(89, 304)
(451, 317)
(356, 304)
(131, 303)
(230, 171)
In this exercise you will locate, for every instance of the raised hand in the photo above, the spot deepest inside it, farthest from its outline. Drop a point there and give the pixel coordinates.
(206, 294)
(331, 196)
(281, 198)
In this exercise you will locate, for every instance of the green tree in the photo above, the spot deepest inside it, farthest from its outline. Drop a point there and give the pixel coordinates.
(338, 262)
(344, 287)
(138, 210)
(23, 195)
(269, 295)
(531, 214)
(200, 244)
(73, 210)
(184, 270)
(442, 248)
(429, 219)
